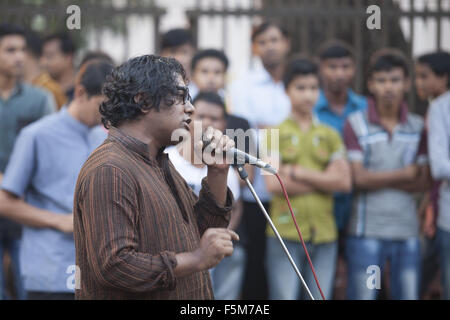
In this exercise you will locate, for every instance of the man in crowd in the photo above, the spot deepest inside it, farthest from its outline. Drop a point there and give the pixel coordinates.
(38, 186)
(387, 166)
(336, 101)
(431, 82)
(34, 73)
(312, 165)
(58, 53)
(20, 104)
(260, 98)
(140, 231)
(438, 82)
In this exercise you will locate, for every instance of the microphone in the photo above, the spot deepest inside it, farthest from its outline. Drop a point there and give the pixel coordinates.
(241, 157)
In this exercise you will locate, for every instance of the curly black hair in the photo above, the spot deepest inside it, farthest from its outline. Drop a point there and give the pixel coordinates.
(150, 78)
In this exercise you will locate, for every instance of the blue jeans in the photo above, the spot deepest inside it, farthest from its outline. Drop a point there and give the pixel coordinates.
(367, 256)
(12, 245)
(228, 275)
(443, 240)
(284, 283)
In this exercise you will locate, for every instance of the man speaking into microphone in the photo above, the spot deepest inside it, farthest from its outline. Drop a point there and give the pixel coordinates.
(140, 231)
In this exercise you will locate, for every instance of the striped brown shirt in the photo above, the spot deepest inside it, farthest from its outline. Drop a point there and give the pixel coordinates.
(129, 224)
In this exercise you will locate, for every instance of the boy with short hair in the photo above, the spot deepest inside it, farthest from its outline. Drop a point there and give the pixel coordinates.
(209, 68)
(313, 166)
(387, 166)
(179, 43)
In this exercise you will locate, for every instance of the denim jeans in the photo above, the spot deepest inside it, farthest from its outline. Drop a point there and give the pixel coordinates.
(367, 255)
(12, 245)
(443, 239)
(228, 275)
(284, 283)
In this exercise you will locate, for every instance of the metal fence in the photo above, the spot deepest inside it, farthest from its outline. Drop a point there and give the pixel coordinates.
(310, 23)
(47, 16)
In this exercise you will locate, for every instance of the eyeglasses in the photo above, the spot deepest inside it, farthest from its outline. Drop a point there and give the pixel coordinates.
(185, 95)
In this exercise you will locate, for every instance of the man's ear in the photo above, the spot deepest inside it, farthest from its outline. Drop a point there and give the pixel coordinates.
(80, 92)
(138, 98)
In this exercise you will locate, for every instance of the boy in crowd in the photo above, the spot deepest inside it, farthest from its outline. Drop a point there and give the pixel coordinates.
(434, 79)
(209, 68)
(210, 111)
(260, 98)
(336, 101)
(179, 44)
(38, 186)
(387, 167)
(313, 166)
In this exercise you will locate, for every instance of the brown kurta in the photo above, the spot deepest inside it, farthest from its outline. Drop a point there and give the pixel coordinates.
(128, 225)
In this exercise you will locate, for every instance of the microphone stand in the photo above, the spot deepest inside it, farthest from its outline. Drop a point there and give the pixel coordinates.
(244, 176)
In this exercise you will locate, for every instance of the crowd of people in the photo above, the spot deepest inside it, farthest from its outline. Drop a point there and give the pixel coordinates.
(368, 179)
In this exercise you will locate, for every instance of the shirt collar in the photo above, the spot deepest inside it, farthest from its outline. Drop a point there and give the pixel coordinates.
(135, 145)
(17, 90)
(75, 124)
(322, 102)
(374, 117)
(262, 75)
(314, 123)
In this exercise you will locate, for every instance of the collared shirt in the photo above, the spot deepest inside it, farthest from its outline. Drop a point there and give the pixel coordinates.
(439, 153)
(263, 102)
(314, 149)
(44, 167)
(44, 80)
(326, 115)
(384, 213)
(129, 224)
(25, 105)
(322, 110)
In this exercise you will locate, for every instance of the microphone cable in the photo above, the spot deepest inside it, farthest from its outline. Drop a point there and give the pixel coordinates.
(299, 234)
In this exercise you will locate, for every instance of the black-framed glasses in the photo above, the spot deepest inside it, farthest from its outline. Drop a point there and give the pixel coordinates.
(186, 97)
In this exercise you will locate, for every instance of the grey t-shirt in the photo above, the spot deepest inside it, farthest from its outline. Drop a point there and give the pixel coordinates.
(384, 213)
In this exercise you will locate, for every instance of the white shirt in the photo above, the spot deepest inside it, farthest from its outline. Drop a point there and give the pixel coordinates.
(263, 102)
(259, 99)
(194, 175)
